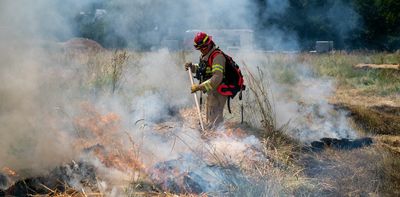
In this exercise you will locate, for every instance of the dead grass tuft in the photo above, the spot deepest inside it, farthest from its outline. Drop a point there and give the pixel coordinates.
(374, 120)
(260, 109)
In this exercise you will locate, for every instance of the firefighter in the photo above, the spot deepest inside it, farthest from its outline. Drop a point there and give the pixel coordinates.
(210, 72)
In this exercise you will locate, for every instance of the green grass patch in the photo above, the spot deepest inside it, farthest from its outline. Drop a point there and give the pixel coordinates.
(371, 81)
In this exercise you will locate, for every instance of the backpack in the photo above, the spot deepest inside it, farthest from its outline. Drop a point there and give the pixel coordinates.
(233, 82)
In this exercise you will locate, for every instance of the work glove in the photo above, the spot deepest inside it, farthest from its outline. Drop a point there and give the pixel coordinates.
(187, 65)
(195, 88)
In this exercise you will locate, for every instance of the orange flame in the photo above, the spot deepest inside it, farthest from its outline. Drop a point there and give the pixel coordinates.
(9, 171)
(105, 130)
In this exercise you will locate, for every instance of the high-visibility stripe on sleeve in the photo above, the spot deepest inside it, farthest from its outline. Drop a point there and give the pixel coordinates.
(217, 67)
(207, 85)
(208, 70)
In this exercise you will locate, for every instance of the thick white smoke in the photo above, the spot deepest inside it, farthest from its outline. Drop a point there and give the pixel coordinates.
(39, 92)
(299, 97)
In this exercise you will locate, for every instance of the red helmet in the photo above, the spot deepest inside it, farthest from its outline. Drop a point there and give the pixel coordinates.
(201, 40)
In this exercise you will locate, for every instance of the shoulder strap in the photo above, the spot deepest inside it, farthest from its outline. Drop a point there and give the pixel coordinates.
(228, 102)
(212, 56)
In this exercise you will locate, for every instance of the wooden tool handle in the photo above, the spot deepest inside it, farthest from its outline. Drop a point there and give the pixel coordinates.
(195, 99)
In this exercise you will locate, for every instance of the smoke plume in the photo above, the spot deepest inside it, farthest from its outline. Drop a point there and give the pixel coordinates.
(42, 90)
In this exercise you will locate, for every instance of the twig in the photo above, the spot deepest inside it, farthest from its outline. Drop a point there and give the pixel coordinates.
(52, 191)
(83, 192)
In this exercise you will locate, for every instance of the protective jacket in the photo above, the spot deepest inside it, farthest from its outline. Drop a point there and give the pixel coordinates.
(212, 75)
(213, 67)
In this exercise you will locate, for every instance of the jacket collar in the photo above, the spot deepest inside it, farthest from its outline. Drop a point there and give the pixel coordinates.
(205, 57)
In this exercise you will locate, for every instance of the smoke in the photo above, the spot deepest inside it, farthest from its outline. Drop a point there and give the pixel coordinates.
(34, 133)
(277, 39)
(344, 19)
(145, 24)
(28, 103)
(305, 23)
(276, 7)
(40, 20)
(299, 96)
(41, 90)
(311, 115)
(31, 135)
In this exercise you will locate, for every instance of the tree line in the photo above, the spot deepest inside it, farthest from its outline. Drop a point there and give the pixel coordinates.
(351, 24)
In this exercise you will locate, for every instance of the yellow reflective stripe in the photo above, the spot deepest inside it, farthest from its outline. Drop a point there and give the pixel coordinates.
(204, 40)
(207, 85)
(208, 70)
(217, 67)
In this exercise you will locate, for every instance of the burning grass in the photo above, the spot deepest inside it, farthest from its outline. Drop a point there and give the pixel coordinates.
(98, 131)
(169, 157)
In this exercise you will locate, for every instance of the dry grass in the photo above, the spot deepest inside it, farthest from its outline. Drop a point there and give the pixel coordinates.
(98, 71)
(105, 70)
(285, 171)
(375, 121)
(371, 95)
(389, 166)
(347, 173)
(280, 174)
(378, 66)
(260, 96)
(384, 82)
(390, 142)
(368, 171)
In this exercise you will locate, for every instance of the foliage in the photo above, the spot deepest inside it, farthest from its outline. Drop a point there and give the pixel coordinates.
(355, 24)
(98, 28)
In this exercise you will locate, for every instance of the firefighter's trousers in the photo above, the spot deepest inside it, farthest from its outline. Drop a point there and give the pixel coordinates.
(215, 104)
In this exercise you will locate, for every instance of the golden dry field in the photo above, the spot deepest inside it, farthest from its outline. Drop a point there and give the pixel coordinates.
(127, 118)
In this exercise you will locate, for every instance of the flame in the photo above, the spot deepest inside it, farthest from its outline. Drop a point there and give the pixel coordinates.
(235, 132)
(9, 171)
(104, 133)
(95, 123)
